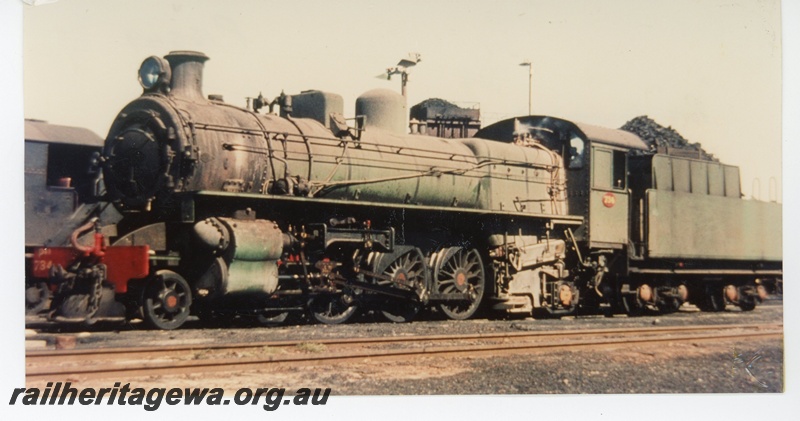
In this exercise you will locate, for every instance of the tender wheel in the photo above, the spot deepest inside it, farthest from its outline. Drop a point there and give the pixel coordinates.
(747, 303)
(669, 305)
(408, 270)
(460, 271)
(166, 301)
(712, 302)
(37, 298)
(332, 309)
(631, 305)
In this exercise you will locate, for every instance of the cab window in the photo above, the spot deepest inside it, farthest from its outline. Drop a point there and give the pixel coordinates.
(576, 148)
(609, 169)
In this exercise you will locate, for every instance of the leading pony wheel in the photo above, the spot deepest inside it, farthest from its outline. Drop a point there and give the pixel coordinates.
(166, 300)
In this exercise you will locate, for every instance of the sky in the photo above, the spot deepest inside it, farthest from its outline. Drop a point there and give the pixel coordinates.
(711, 69)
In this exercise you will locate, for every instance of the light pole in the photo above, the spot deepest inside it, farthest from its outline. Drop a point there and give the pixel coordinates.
(403, 68)
(530, 83)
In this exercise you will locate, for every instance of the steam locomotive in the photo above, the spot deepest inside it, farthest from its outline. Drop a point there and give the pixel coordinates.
(228, 210)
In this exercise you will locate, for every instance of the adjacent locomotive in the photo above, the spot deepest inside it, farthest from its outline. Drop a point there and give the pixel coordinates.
(59, 194)
(228, 210)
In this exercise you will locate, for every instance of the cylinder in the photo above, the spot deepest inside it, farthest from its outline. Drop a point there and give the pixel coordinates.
(249, 251)
(256, 240)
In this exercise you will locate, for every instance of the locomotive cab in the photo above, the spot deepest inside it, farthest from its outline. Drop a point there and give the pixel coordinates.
(596, 162)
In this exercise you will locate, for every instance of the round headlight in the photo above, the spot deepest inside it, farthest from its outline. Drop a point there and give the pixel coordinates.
(153, 72)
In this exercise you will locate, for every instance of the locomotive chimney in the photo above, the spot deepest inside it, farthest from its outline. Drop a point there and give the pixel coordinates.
(187, 74)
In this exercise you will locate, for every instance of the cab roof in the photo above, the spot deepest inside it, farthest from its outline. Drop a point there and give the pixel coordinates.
(42, 131)
(614, 137)
(503, 131)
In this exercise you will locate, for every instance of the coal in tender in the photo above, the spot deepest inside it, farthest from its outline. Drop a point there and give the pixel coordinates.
(662, 139)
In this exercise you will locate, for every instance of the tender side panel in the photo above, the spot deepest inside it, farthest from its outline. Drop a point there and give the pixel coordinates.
(692, 226)
(692, 176)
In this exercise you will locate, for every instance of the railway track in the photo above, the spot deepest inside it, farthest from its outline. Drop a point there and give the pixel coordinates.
(123, 363)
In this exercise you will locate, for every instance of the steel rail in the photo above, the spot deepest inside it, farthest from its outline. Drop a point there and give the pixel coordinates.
(171, 350)
(508, 343)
